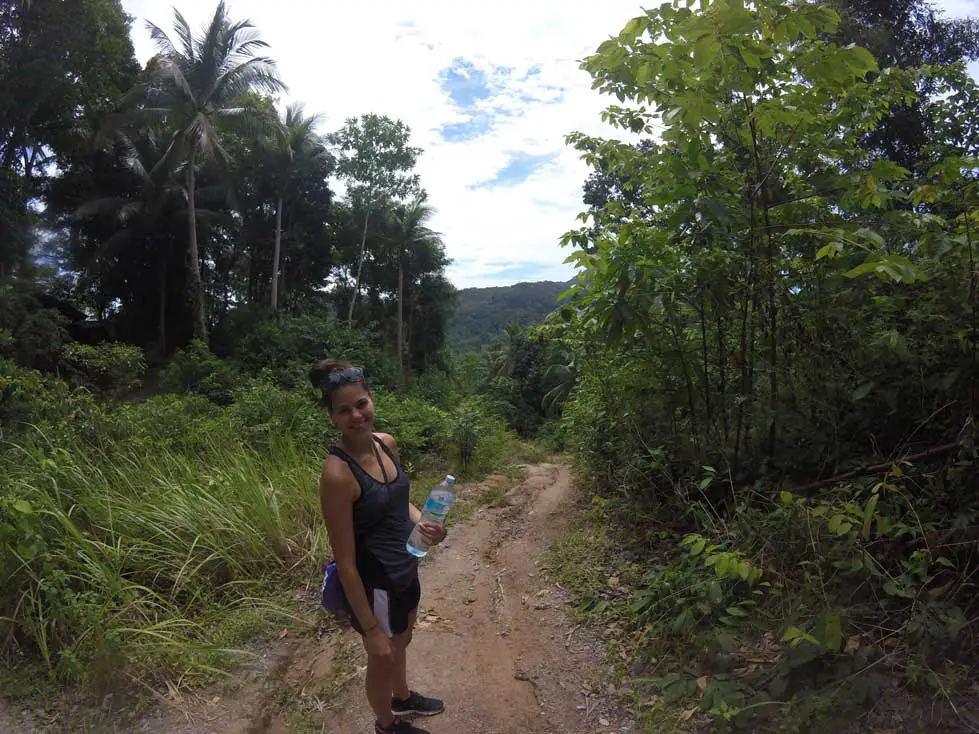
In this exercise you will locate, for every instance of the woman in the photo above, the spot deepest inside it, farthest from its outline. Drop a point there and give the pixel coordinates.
(364, 497)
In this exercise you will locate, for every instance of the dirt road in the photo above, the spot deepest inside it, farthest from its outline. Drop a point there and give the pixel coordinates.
(493, 641)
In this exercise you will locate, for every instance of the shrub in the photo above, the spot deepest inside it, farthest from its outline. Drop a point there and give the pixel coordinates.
(284, 349)
(184, 424)
(109, 367)
(197, 370)
(419, 428)
(30, 333)
(262, 411)
(55, 412)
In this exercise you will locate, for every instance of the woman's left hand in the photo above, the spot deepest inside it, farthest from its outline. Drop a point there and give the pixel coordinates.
(432, 532)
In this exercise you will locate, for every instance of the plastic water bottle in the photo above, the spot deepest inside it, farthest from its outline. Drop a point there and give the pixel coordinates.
(436, 508)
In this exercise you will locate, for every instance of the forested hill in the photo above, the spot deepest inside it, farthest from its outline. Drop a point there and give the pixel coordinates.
(484, 312)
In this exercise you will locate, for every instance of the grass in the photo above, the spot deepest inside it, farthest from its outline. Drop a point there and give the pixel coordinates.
(145, 546)
(145, 564)
(588, 561)
(756, 626)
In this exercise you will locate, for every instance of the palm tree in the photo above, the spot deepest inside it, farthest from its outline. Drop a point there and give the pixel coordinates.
(296, 142)
(410, 233)
(194, 87)
(139, 216)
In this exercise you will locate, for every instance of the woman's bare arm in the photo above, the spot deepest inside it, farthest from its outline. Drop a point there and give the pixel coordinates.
(338, 491)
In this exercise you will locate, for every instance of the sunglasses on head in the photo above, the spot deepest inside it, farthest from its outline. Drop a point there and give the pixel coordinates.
(344, 377)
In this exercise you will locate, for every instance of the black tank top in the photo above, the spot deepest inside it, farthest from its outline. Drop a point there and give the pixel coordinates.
(382, 525)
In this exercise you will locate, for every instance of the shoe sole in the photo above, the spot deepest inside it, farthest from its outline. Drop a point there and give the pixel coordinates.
(413, 712)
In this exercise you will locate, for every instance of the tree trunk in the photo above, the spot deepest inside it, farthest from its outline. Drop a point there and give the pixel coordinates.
(276, 255)
(705, 359)
(360, 265)
(196, 287)
(163, 307)
(760, 186)
(722, 370)
(687, 380)
(408, 333)
(401, 315)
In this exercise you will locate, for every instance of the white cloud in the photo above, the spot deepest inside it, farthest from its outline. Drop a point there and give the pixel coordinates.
(347, 58)
(384, 56)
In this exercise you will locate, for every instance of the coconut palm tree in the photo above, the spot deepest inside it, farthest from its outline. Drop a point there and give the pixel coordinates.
(141, 214)
(193, 87)
(295, 143)
(411, 233)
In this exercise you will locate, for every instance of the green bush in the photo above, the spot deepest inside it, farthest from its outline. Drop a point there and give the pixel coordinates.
(479, 437)
(419, 427)
(46, 408)
(109, 367)
(435, 387)
(198, 371)
(809, 604)
(30, 333)
(284, 348)
(263, 411)
(184, 424)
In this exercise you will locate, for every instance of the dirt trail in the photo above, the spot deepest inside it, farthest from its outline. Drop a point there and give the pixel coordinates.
(492, 640)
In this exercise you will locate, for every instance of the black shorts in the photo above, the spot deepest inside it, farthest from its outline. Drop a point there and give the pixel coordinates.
(391, 608)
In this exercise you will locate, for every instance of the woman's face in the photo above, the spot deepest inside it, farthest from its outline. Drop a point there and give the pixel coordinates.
(353, 409)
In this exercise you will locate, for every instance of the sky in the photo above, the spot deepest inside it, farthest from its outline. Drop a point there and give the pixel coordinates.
(489, 90)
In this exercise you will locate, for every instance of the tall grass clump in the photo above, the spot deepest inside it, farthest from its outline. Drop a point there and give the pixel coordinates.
(144, 549)
(142, 542)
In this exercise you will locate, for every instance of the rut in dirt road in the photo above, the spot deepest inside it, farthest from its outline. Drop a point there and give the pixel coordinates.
(492, 639)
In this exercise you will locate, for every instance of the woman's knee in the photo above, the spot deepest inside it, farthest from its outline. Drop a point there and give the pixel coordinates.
(402, 640)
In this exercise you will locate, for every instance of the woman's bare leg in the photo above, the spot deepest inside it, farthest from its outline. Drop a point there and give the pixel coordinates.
(379, 677)
(399, 667)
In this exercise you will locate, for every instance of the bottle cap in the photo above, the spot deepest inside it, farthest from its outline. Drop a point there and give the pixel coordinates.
(450, 480)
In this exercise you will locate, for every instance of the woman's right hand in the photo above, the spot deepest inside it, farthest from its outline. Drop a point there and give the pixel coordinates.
(378, 644)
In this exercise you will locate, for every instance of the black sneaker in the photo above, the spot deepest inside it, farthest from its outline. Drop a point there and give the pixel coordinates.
(398, 726)
(417, 705)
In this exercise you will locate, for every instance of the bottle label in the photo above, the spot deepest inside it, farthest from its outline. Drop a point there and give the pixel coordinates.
(435, 507)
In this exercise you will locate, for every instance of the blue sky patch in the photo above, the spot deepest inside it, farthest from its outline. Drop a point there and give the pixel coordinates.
(515, 273)
(457, 132)
(465, 84)
(518, 170)
(471, 90)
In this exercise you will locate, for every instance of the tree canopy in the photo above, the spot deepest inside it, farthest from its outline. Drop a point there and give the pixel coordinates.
(169, 200)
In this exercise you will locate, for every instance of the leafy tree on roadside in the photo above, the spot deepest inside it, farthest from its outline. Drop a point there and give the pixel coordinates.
(378, 164)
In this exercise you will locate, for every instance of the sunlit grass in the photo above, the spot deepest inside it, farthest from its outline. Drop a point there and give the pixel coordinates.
(141, 562)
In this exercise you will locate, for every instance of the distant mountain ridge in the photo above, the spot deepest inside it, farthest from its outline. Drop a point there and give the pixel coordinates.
(484, 312)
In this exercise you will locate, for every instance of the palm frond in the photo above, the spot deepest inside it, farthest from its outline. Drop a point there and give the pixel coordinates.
(242, 40)
(182, 28)
(212, 47)
(99, 207)
(171, 73)
(250, 123)
(209, 143)
(132, 159)
(257, 72)
(173, 152)
(163, 43)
